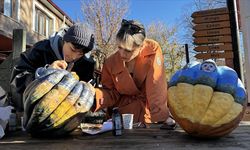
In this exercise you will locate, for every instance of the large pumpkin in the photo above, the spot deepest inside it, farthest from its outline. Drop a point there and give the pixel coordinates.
(55, 102)
(206, 100)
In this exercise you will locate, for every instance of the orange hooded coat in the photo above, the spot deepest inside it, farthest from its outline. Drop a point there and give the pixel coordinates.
(144, 94)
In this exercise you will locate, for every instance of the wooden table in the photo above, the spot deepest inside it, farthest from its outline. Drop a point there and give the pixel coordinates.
(152, 138)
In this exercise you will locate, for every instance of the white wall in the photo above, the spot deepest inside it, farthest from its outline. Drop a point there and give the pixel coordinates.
(245, 23)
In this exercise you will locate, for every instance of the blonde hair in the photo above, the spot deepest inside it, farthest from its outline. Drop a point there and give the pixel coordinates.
(131, 34)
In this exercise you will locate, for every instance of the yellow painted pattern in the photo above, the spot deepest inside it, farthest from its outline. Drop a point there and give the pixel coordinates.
(71, 112)
(218, 107)
(63, 108)
(201, 98)
(199, 104)
(185, 95)
(54, 98)
(51, 101)
(42, 89)
(173, 101)
(75, 76)
(232, 114)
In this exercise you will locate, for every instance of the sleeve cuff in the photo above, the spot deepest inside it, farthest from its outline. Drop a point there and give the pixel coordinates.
(98, 99)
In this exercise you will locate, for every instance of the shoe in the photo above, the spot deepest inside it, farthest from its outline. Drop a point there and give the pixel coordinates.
(140, 125)
(169, 124)
(166, 126)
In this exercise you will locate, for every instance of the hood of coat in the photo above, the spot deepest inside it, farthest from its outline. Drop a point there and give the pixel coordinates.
(54, 42)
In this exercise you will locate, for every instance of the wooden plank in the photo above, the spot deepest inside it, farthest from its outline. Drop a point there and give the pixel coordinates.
(133, 139)
(2, 58)
(3, 51)
(215, 25)
(226, 47)
(19, 42)
(3, 55)
(214, 55)
(215, 32)
(210, 19)
(210, 12)
(212, 40)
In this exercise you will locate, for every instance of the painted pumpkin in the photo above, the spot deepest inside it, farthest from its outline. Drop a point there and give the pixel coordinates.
(55, 102)
(206, 100)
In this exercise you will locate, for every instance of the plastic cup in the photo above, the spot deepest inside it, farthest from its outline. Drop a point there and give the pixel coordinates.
(127, 121)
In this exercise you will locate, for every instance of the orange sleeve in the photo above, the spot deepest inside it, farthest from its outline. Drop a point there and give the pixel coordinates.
(107, 95)
(156, 87)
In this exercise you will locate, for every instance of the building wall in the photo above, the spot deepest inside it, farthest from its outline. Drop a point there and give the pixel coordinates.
(26, 22)
(28, 17)
(245, 23)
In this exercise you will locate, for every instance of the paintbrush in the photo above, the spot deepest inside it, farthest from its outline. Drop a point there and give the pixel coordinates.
(70, 65)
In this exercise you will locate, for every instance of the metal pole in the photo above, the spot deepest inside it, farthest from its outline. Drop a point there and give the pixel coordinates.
(245, 24)
(187, 53)
(231, 4)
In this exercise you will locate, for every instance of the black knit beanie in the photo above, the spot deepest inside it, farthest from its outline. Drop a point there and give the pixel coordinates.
(82, 35)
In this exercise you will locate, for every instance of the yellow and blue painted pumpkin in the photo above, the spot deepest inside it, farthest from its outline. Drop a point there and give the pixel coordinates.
(55, 102)
(206, 100)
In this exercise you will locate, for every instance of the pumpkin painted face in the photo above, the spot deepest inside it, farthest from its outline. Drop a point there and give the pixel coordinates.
(206, 100)
(208, 66)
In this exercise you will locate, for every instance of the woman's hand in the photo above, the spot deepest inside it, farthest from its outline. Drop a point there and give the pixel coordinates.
(59, 64)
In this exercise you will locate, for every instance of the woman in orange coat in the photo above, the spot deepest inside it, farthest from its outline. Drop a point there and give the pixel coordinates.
(133, 78)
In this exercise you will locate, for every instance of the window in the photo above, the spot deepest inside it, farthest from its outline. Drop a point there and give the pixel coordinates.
(10, 8)
(7, 8)
(43, 23)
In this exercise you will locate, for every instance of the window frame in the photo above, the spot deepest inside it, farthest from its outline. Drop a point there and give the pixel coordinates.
(47, 14)
(17, 9)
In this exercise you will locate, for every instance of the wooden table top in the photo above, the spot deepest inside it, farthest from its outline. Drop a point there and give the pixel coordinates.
(143, 138)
